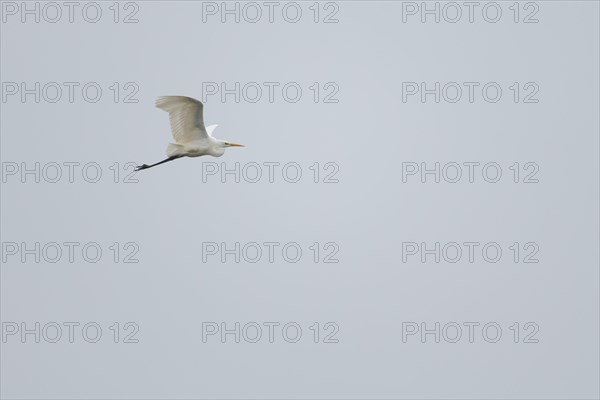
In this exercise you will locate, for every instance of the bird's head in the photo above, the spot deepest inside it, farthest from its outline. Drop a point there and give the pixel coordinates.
(225, 144)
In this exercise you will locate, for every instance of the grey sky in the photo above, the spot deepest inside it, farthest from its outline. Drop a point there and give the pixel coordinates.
(358, 120)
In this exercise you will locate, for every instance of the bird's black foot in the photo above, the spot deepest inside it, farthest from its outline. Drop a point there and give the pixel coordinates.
(141, 167)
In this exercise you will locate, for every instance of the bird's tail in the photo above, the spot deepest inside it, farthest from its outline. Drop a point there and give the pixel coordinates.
(174, 150)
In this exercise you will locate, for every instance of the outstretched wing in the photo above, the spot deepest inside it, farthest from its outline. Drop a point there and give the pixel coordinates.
(185, 114)
(210, 129)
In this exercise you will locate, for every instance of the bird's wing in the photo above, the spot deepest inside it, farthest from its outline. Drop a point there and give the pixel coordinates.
(185, 114)
(210, 129)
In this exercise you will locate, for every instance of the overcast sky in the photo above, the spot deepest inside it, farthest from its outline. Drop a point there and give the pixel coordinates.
(354, 181)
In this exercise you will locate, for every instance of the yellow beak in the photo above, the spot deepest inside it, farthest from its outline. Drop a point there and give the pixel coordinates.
(236, 145)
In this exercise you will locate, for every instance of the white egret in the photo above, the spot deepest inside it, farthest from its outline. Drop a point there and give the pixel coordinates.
(192, 139)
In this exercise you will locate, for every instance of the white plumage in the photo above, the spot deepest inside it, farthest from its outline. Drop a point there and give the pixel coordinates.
(192, 138)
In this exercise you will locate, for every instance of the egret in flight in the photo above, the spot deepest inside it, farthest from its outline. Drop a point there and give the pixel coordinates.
(192, 139)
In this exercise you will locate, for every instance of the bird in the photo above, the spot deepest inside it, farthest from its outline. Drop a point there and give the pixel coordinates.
(192, 138)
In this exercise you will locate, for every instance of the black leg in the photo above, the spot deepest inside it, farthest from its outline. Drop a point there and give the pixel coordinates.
(146, 166)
